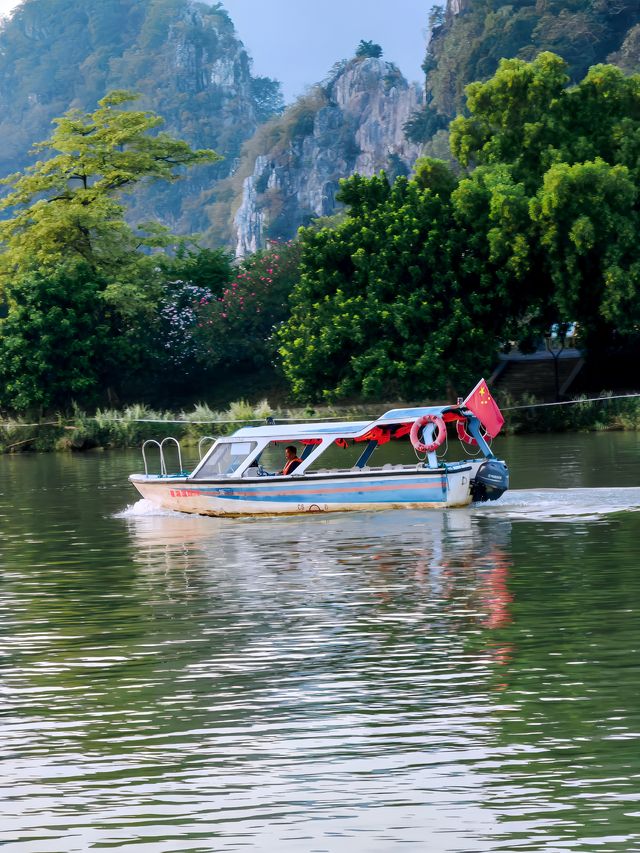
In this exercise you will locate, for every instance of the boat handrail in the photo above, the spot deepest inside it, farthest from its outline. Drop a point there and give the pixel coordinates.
(163, 466)
(144, 454)
(202, 441)
(160, 445)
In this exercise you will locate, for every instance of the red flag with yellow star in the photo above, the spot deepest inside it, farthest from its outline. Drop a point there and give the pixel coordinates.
(485, 408)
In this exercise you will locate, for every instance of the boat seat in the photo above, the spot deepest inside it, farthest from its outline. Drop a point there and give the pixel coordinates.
(388, 466)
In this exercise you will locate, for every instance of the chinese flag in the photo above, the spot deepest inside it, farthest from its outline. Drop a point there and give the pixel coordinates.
(485, 408)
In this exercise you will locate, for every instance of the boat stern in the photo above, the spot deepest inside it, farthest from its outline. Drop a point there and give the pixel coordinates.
(491, 481)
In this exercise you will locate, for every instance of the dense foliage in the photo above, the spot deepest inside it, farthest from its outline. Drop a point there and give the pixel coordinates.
(423, 282)
(567, 162)
(368, 49)
(194, 277)
(60, 340)
(68, 206)
(217, 318)
(391, 302)
(409, 294)
(234, 326)
(80, 285)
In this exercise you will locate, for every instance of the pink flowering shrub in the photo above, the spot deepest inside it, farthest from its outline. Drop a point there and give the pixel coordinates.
(194, 276)
(236, 327)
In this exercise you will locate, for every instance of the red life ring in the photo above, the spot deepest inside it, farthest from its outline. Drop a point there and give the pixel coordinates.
(463, 435)
(441, 433)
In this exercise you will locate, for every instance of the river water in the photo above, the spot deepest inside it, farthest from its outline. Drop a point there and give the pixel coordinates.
(463, 680)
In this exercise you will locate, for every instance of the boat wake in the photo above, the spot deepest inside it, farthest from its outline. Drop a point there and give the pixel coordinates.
(518, 504)
(562, 504)
(147, 509)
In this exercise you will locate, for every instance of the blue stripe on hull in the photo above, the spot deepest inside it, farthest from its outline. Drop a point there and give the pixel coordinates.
(373, 492)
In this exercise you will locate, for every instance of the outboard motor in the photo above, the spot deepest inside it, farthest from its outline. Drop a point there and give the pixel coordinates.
(491, 481)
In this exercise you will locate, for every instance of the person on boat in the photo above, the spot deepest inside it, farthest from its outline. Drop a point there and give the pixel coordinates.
(292, 459)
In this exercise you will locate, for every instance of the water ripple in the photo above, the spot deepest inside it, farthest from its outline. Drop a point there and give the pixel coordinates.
(453, 681)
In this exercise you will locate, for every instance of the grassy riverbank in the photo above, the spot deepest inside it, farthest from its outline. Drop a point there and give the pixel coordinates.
(131, 426)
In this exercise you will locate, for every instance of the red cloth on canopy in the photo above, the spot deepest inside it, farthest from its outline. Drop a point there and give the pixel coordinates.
(404, 429)
(382, 436)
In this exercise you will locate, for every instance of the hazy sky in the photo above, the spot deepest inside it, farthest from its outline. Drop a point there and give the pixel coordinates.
(297, 41)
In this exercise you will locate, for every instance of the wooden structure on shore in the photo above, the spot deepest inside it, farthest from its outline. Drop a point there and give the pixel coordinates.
(535, 375)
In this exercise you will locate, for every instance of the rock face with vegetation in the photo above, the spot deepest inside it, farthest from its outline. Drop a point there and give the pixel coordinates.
(290, 171)
(468, 39)
(183, 57)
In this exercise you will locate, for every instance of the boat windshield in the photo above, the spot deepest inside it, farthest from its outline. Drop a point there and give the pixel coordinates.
(225, 459)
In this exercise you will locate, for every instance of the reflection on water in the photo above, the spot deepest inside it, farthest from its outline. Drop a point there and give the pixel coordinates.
(454, 681)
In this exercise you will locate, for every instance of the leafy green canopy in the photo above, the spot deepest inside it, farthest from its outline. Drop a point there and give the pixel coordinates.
(69, 206)
(424, 280)
(368, 49)
(571, 156)
(235, 325)
(60, 341)
(70, 263)
(391, 302)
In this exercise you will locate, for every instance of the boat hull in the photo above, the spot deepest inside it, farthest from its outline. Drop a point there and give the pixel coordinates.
(312, 493)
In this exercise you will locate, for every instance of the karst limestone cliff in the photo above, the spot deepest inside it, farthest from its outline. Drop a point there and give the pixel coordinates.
(183, 57)
(352, 123)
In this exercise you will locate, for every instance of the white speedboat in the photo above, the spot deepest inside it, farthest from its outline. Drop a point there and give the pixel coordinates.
(397, 461)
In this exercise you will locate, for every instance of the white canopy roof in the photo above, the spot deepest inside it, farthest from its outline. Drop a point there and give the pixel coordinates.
(343, 429)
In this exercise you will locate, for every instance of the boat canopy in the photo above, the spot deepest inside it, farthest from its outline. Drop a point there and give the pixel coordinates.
(395, 422)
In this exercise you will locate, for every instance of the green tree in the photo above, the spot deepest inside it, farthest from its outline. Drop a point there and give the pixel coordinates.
(588, 220)
(67, 224)
(557, 164)
(60, 341)
(426, 279)
(54, 53)
(69, 206)
(267, 94)
(515, 117)
(391, 302)
(369, 49)
(209, 269)
(435, 175)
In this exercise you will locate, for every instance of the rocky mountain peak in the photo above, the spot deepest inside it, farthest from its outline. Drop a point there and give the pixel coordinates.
(352, 123)
(183, 57)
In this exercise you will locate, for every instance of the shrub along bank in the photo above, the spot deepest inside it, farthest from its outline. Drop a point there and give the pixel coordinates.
(133, 425)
